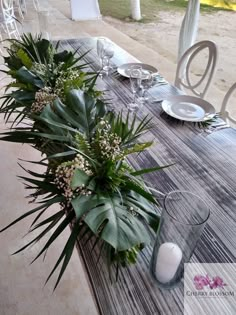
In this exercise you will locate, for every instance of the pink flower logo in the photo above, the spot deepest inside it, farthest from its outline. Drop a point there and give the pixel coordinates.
(200, 282)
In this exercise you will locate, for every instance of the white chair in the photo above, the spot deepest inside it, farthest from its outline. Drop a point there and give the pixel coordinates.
(8, 19)
(183, 73)
(223, 112)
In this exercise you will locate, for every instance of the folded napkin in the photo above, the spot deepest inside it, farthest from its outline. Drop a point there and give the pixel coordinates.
(158, 79)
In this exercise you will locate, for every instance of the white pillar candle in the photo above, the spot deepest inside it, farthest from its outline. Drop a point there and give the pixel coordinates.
(168, 259)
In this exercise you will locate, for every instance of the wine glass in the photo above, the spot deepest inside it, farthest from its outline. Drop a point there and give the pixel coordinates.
(105, 51)
(135, 74)
(146, 82)
(100, 47)
(107, 54)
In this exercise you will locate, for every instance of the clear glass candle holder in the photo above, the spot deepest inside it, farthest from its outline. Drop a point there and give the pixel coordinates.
(182, 222)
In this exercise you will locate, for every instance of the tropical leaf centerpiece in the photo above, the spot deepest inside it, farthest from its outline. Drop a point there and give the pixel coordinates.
(86, 153)
(40, 73)
(90, 177)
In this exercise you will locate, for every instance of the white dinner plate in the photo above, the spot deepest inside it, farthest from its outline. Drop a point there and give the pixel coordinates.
(188, 108)
(124, 69)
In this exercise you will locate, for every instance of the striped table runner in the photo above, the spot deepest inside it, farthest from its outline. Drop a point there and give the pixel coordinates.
(203, 163)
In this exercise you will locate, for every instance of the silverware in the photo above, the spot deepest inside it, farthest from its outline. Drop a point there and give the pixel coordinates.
(154, 100)
(159, 84)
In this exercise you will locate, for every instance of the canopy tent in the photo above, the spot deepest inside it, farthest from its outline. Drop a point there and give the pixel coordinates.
(85, 10)
(189, 27)
(89, 10)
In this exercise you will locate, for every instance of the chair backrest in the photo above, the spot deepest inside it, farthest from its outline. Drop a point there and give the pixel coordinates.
(7, 9)
(1, 51)
(223, 112)
(8, 19)
(20, 6)
(183, 79)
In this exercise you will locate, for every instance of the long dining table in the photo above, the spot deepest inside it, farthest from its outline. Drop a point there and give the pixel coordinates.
(203, 163)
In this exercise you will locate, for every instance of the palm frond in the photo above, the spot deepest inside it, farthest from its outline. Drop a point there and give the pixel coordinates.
(129, 131)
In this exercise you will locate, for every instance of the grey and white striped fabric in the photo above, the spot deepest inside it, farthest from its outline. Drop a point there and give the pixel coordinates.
(203, 164)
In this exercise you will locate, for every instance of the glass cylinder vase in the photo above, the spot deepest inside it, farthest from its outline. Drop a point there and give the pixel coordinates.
(182, 222)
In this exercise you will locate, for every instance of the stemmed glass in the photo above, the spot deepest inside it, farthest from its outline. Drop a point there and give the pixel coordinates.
(100, 46)
(105, 52)
(146, 83)
(108, 53)
(135, 74)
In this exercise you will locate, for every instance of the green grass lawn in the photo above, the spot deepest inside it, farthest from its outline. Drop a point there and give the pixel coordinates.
(120, 9)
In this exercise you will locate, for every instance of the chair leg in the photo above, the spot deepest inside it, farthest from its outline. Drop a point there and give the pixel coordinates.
(16, 31)
(23, 6)
(19, 8)
(8, 31)
(36, 4)
(21, 13)
(4, 28)
(1, 51)
(12, 30)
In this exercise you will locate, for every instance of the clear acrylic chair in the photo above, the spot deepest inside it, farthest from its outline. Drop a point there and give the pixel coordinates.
(20, 6)
(8, 19)
(36, 5)
(1, 50)
(183, 72)
(224, 113)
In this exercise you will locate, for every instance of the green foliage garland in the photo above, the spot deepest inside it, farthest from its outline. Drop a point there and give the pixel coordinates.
(85, 151)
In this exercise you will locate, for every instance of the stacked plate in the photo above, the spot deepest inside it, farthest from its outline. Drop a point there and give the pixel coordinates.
(182, 107)
(188, 108)
(124, 69)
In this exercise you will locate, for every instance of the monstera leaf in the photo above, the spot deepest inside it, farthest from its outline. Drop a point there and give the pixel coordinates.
(121, 229)
(108, 217)
(23, 75)
(87, 109)
(80, 115)
(108, 213)
(80, 112)
(60, 122)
